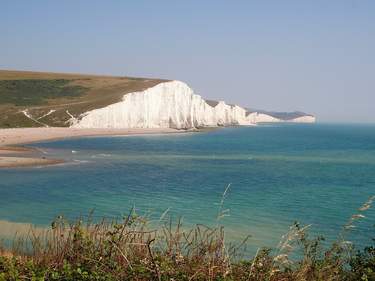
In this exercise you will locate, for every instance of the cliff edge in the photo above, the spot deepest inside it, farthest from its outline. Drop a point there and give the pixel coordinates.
(36, 99)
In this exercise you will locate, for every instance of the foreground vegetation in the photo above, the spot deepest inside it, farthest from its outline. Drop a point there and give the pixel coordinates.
(132, 249)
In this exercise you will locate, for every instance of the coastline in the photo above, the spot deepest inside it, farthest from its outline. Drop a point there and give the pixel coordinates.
(12, 154)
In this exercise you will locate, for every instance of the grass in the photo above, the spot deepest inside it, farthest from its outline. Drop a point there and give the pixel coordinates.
(134, 249)
(40, 92)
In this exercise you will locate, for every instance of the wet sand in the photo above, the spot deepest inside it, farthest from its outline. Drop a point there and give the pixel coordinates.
(14, 155)
(11, 162)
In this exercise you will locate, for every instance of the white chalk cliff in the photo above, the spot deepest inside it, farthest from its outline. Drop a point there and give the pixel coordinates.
(304, 119)
(167, 105)
(261, 117)
(257, 117)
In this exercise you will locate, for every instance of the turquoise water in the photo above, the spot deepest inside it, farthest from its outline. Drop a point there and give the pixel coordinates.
(314, 174)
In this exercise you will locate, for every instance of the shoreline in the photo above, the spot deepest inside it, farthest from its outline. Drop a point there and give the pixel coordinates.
(13, 154)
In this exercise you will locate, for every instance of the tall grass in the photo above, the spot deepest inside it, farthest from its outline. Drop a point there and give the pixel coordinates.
(132, 248)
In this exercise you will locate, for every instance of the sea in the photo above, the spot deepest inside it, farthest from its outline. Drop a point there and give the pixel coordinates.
(255, 181)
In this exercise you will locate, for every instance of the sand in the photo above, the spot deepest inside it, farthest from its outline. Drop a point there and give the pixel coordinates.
(9, 162)
(18, 156)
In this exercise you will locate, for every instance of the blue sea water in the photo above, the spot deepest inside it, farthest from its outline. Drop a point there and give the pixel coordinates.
(315, 174)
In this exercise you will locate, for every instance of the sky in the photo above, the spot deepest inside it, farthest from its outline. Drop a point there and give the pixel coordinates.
(316, 56)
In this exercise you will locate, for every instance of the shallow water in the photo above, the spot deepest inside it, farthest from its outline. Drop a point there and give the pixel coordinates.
(313, 174)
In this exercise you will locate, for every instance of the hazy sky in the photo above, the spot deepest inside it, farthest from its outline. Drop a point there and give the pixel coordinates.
(315, 56)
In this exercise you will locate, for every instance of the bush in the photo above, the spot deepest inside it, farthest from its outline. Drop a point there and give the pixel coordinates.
(132, 249)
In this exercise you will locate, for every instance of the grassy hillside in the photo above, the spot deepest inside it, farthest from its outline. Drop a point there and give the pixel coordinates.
(49, 98)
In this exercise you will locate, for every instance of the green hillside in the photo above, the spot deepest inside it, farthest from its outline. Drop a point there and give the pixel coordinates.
(36, 99)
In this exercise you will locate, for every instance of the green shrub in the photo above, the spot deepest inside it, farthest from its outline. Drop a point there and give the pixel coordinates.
(132, 249)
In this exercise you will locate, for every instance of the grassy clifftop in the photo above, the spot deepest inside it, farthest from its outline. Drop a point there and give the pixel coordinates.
(36, 99)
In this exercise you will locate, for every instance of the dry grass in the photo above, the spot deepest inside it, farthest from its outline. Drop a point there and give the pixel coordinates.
(135, 249)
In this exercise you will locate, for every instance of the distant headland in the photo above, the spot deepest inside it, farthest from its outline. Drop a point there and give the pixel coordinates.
(37, 99)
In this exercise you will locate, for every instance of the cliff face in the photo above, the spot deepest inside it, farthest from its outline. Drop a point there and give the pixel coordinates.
(42, 99)
(172, 105)
(167, 105)
(256, 117)
(261, 117)
(304, 119)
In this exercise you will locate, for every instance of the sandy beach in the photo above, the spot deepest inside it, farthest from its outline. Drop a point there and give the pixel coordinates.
(9, 162)
(14, 155)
